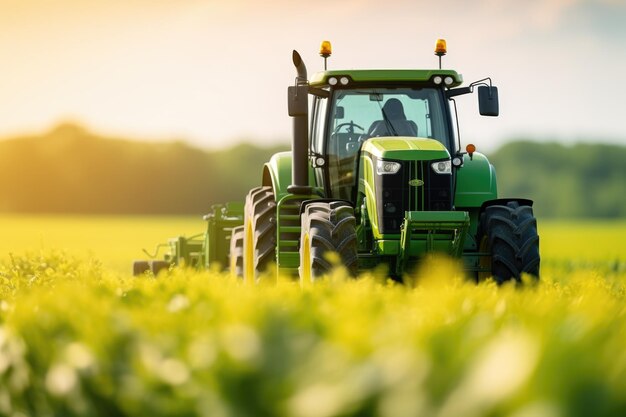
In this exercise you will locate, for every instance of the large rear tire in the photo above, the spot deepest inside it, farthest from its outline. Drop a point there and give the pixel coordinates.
(259, 242)
(157, 266)
(140, 267)
(236, 252)
(326, 228)
(509, 233)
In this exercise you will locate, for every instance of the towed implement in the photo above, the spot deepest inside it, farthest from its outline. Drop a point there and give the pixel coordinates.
(376, 175)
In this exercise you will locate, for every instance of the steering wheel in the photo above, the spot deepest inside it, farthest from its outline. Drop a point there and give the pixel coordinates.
(351, 125)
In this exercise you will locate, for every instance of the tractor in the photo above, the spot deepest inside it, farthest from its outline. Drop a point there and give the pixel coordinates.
(376, 175)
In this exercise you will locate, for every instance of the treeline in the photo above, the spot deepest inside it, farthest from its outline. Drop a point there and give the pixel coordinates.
(582, 180)
(70, 170)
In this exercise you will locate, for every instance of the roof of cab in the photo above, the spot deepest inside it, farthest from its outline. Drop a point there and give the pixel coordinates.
(386, 75)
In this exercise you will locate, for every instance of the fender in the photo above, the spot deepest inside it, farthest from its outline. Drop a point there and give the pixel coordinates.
(322, 200)
(475, 182)
(277, 174)
(504, 201)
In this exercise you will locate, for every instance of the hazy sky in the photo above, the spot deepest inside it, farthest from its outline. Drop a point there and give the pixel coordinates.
(215, 72)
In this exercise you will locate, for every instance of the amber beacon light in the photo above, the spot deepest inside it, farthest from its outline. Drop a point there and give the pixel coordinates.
(440, 49)
(326, 50)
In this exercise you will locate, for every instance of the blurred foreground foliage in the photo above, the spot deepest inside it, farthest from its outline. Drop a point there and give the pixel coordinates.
(77, 340)
(70, 170)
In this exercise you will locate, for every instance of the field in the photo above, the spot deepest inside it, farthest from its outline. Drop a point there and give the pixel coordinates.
(80, 337)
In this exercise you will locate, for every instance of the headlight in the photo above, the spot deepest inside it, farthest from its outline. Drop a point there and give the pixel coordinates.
(442, 167)
(386, 167)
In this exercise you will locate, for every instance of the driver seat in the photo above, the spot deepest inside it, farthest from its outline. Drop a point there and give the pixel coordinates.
(394, 121)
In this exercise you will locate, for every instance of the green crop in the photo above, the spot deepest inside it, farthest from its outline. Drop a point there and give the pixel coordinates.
(80, 339)
(80, 342)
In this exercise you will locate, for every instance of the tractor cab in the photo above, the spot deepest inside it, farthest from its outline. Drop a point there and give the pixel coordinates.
(351, 107)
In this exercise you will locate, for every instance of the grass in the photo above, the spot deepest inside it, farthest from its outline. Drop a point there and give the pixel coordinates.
(588, 241)
(79, 336)
(115, 241)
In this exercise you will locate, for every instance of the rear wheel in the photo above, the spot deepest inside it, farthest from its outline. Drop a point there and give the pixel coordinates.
(140, 267)
(158, 266)
(326, 228)
(259, 241)
(509, 233)
(236, 252)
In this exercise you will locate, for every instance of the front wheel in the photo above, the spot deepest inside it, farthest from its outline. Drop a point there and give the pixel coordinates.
(327, 227)
(509, 233)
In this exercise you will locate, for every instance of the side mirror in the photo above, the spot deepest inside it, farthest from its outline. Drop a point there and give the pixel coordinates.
(488, 101)
(339, 112)
(298, 100)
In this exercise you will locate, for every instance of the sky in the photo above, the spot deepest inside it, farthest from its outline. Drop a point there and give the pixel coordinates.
(215, 73)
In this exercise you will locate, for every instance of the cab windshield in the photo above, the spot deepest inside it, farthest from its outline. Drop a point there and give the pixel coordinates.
(360, 114)
(390, 112)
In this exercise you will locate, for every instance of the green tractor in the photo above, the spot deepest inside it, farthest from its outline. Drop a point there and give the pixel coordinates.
(377, 177)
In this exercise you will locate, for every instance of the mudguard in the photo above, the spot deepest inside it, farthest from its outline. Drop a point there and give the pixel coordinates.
(475, 182)
(277, 174)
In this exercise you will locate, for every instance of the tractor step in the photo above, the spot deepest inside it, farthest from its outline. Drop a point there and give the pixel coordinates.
(290, 229)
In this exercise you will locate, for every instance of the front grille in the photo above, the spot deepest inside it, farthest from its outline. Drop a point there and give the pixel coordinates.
(394, 195)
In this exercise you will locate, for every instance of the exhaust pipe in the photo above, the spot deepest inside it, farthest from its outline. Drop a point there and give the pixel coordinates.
(300, 67)
(298, 101)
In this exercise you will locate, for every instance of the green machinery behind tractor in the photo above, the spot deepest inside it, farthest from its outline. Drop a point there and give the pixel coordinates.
(376, 175)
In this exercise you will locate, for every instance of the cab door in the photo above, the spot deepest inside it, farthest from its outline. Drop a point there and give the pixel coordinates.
(318, 151)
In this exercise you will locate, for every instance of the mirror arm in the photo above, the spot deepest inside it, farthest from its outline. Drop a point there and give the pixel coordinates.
(482, 82)
(458, 91)
(453, 92)
(319, 92)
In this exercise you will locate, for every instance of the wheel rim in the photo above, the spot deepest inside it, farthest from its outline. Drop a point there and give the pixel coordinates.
(249, 255)
(305, 277)
(233, 266)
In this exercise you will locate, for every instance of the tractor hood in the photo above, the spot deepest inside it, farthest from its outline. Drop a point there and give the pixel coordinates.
(406, 148)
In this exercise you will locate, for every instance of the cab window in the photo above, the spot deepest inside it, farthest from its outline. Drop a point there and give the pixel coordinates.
(360, 114)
